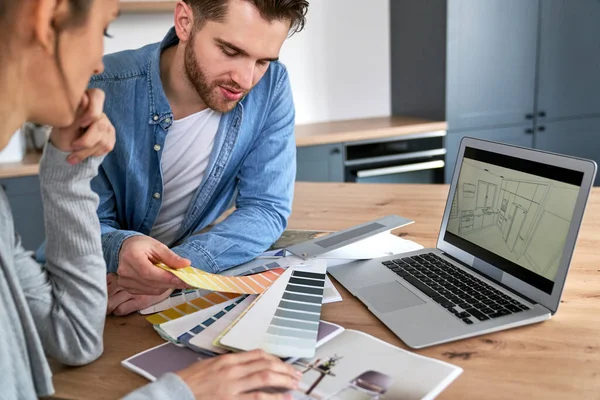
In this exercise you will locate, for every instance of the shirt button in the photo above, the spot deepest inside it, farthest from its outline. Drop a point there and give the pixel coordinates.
(157, 147)
(155, 118)
(156, 195)
(168, 120)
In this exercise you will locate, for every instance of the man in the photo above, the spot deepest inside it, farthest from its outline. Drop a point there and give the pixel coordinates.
(202, 118)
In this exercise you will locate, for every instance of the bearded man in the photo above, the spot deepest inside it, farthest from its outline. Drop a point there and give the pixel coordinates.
(204, 120)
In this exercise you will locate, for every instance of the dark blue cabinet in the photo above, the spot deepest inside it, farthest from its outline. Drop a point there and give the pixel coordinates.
(509, 66)
(569, 61)
(516, 135)
(323, 163)
(572, 137)
(26, 204)
(491, 62)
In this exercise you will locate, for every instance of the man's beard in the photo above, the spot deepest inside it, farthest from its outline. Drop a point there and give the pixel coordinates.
(208, 91)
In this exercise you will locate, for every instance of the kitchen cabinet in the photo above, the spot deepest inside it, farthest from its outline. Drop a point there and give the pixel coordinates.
(491, 62)
(478, 221)
(519, 136)
(582, 132)
(25, 201)
(498, 69)
(569, 60)
(324, 163)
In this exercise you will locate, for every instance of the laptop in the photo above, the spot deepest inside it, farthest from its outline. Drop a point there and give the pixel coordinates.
(505, 244)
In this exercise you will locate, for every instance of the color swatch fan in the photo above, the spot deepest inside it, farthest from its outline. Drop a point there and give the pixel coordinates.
(173, 329)
(201, 337)
(251, 284)
(284, 321)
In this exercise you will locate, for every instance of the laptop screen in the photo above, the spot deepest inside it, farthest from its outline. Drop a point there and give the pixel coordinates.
(514, 214)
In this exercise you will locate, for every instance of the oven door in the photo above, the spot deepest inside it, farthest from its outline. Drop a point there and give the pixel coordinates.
(418, 160)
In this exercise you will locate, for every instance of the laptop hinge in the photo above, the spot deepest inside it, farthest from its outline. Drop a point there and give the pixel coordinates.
(477, 272)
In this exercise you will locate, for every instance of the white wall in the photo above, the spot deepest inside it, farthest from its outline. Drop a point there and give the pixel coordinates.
(339, 65)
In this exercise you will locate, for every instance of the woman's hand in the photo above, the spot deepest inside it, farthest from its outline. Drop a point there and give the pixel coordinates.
(91, 134)
(241, 376)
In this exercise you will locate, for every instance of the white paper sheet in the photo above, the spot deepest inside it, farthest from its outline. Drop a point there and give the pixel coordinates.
(380, 245)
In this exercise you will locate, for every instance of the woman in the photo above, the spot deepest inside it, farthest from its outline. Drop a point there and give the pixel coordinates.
(50, 49)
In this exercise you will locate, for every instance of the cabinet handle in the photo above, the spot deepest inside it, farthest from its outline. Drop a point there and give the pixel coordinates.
(529, 116)
(335, 151)
(542, 114)
(400, 169)
(541, 128)
(529, 131)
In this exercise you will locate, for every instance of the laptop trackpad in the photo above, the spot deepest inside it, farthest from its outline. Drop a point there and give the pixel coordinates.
(389, 296)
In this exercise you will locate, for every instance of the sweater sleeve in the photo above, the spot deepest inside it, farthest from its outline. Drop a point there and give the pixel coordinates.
(168, 386)
(67, 295)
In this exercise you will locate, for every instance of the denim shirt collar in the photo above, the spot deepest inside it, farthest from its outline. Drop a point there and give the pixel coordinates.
(160, 110)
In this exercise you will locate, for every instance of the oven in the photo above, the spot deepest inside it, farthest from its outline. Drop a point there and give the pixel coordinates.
(417, 158)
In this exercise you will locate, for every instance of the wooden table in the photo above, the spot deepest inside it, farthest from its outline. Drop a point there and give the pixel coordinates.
(557, 359)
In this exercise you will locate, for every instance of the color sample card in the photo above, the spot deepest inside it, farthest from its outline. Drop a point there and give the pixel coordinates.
(159, 360)
(217, 341)
(186, 296)
(251, 284)
(171, 330)
(192, 306)
(200, 337)
(295, 324)
(284, 321)
(330, 294)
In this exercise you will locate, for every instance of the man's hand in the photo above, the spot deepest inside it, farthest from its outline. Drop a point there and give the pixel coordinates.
(91, 134)
(137, 271)
(121, 302)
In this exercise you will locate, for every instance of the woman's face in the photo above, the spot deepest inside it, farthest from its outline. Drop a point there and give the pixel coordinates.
(77, 56)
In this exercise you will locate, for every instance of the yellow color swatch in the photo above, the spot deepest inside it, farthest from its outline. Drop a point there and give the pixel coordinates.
(234, 286)
(250, 284)
(190, 307)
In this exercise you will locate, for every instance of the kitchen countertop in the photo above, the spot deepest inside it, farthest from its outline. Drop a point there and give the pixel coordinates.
(30, 165)
(363, 129)
(306, 135)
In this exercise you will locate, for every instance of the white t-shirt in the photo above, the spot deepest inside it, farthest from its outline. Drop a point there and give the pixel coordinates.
(185, 157)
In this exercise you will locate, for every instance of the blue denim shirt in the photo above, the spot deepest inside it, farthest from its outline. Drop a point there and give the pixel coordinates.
(253, 161)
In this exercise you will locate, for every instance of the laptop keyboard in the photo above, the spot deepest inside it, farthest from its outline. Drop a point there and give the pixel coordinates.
(463, 295)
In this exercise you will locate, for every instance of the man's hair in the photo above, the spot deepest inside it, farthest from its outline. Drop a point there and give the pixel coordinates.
(271, 10)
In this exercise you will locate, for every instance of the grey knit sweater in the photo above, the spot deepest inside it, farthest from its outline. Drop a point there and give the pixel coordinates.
(57, 309)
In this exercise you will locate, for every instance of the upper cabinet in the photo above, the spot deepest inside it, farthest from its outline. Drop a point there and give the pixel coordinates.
(491, 62)
(500, 70)
(569, 59)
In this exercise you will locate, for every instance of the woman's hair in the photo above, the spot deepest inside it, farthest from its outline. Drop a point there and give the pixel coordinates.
(9, 18)
(80, 9)
(9, 10)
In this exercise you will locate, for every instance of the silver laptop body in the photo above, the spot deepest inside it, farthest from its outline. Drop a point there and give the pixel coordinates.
(505, 244)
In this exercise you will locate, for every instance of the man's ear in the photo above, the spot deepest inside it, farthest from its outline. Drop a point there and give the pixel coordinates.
(48, 17)
(184, 21)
